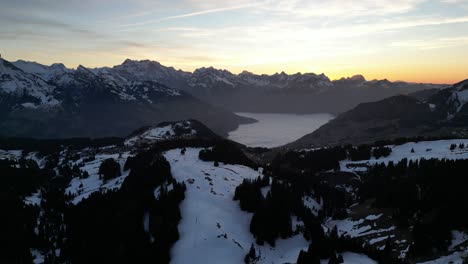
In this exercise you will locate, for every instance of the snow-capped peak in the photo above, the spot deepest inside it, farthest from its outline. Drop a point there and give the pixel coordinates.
(45, 72)
(358, 77)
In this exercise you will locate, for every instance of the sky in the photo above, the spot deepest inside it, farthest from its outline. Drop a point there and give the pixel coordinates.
(411, 40)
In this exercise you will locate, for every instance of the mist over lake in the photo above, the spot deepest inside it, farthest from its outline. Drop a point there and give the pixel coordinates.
(273, 130)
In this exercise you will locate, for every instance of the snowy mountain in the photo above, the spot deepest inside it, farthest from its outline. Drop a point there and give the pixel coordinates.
(244, 92)
(438, 114)
(280, 92)
(53, 101)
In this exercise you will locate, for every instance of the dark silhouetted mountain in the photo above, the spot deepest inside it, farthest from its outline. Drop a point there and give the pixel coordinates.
(435, 114)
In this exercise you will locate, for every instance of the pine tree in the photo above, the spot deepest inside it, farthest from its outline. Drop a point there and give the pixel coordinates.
(251, 257)
(340, 259)
(109, 169)
(333, 259)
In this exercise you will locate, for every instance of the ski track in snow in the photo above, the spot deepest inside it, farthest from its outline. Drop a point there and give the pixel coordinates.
(209, 213)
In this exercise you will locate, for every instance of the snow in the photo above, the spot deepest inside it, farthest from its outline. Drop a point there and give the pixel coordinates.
(357, 228)
(224, 80)
(462, 97)
(29, 105)
(458, 238)
(212, 222)
(379, 239)
(11, 154)
(265, 190)
(146, 222)
(45, 72)
(348, 226)
(377, 231)
(353, 258)
(160, 133)
(124, 96)
(454, 258)
(404, 252)
(312, 204)
(438, 149)
(38, 257)
(373, 217)
(83, 188)
(34, 199)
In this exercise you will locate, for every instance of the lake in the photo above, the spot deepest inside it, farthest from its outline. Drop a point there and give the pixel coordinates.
(273, 130)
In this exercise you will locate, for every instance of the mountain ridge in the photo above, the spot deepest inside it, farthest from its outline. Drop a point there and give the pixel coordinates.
(437, 114)
(52, 101)
(249, 92)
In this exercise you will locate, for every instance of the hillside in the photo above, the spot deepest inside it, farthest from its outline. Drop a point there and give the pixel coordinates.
(441, 114)
(177, 193)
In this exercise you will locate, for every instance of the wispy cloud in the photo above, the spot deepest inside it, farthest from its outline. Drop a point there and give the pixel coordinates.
(305, 8)
(192, 14)
(429, 44)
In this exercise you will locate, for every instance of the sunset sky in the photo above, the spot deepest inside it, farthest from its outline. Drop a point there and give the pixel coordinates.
(411, 40)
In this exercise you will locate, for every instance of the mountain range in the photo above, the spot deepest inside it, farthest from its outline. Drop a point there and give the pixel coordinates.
(277, 93)
(53, 101)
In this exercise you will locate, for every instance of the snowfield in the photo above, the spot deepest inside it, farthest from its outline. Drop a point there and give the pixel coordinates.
(160, 133)
(438, 149)
(11, 154)
(83, 188)
(212, 223)
(454, 258)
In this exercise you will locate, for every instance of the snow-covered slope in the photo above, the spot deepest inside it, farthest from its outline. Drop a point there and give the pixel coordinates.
(38, 85)
(162, 132)
(212, 222)
(83, 188)
(56, 72)
(438, 149)
(187, 129)
(27, 89)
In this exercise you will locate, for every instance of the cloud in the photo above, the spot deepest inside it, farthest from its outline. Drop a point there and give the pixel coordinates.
(304, 8)
(192, 14)
(36, 28)
(429, 44)
(292, 8)
(454, 1)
